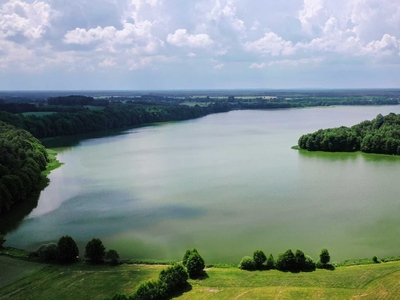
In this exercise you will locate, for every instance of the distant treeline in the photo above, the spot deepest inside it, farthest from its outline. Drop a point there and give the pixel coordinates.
(22, 158)
(76, 100)
(117, 116)
(380, 135)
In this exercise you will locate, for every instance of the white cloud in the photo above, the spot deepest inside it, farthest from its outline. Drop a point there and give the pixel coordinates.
(219, 67)
(182, 38)
(191, 54)
(258, 66)
(297, 62)
(271, 44)
(21, 18)
(107, 63)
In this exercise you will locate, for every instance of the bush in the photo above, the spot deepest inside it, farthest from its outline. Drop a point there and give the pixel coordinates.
(95, 251)
(286, 261)
(195, 265)
(309, 264)
(173, 278)
(2, 241)
(149, 290)
(324, 257)
(48, 252)
(113, 257)
(300, 260)
(247, 263)
(68, 250)
(259, 259)
(187, 254)
(119, 296)
(270, 262)
(375, 260)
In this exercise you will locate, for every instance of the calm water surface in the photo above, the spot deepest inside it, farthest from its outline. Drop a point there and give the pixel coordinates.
(227, 184)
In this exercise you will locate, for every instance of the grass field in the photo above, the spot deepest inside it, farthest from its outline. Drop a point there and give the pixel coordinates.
(82, 281)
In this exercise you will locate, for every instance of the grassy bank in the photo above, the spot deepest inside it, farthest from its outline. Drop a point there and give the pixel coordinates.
(83, 281)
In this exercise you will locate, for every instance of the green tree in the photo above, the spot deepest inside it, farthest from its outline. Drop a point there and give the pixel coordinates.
(286, 261)
(187, 254)
(95, 251)
(68, 249)
(173, 278)
(259, 259)
(300, 260)
(2, 241)
(195, 265)
(270, 262)
(247, 263)
(48, 252)
(113, 257)
(324, 257)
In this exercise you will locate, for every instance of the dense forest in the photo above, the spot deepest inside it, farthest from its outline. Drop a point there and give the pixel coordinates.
(116, 116)
(380, 135)
(22, 158)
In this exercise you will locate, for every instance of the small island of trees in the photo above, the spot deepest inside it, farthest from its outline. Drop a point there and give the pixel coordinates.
(380, 135)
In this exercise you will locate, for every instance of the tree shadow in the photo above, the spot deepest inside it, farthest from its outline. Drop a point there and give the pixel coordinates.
(203, 276)
(182, 291)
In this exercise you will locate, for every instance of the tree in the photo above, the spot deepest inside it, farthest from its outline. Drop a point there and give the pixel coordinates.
(187, 254)
(68, 249)
(112, 256)
(95, 250)
(300, 260)
(324, 257)
(259, 259)
(173, 278)
(195, 265)
(247, 263)
(286, 261)
(2, 241)
(270, 262)
(48, 252)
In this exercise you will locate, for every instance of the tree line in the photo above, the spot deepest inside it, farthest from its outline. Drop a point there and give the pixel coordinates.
(380, 135)
(118, 116)
(287, 261)
(22, 159)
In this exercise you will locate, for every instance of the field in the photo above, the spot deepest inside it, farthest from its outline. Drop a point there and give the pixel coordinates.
(81, 281)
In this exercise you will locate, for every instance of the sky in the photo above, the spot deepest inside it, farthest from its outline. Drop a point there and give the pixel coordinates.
(204, 44)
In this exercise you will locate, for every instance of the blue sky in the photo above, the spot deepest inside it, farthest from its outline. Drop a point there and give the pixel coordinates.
(205, 44)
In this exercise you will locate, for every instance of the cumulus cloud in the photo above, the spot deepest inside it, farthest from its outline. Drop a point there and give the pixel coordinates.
(219, 66)
(181, 38)
(271, 44)
(258, 66)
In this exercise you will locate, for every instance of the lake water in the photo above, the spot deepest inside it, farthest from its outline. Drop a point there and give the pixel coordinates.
(227, 184)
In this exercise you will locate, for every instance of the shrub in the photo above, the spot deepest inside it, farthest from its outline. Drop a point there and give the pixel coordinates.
(187, 254)
(270, 262)
(173, 278)
(375, 260)
(247, 263)
(324, 257)
(2, 241)
(300, 260)
(149, 290)
(95, 250)
(48, 252)
(309, 264)
(113, 257)
(259, 259)
(68, 249)
(119, 296)
(195, 265)
(286, 261)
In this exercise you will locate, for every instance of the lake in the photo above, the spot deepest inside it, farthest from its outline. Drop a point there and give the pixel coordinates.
(227, 184)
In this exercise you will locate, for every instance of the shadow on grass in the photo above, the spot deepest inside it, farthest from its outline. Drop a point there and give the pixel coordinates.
(182, 291)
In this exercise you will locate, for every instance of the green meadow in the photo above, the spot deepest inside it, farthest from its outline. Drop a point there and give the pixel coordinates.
(84, 281)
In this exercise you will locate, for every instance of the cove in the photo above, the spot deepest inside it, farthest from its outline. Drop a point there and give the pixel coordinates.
(227, 184)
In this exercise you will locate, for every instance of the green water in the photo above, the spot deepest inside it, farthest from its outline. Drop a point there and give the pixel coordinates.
(227, 184)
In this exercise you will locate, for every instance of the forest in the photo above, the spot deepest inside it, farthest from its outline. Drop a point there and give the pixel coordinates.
(380, 135)
(22, 158)
(115, 116)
